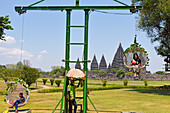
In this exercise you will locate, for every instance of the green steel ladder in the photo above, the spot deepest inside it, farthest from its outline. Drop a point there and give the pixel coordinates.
(67, 59)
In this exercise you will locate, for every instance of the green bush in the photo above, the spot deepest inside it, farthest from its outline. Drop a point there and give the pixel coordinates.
(58, 82)
(102, 73)
(50, 90)
(129, 74)
(44, 80)
(146, 82)
(100, 88)
(160, 72)
(2, 92)
(9, 79)
(104, 82)
(96, 71)
(120, 74)
(52, 81)
(114, 70)
(125, 82)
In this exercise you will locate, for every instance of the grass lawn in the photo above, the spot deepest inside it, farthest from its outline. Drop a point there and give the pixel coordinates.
(106, 101)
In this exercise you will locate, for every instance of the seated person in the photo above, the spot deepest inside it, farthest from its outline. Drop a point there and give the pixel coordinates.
(135, 63)
(21, 100)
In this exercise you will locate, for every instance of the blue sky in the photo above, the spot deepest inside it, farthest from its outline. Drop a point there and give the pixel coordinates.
(44, 34)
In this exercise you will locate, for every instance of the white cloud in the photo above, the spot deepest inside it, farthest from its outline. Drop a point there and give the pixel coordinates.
(44, 52)
(15, 52)
(39, 57)
(9, 40)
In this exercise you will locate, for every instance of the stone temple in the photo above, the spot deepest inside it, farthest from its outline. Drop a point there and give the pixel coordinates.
(117, 62)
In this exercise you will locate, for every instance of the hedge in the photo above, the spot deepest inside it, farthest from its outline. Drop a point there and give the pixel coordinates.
(105, 88)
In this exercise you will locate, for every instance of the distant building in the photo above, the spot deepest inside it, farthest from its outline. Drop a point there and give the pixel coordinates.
(117, 62)
(78, 65)
(103, 65)
(94, 64)
(109, 70)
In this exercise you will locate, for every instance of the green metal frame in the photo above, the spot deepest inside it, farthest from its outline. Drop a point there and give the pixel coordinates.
(21, 8)
(64, 101)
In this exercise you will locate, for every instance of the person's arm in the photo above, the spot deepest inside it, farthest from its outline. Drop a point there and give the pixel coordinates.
(139, 62)
(131, 63)
(79, 83)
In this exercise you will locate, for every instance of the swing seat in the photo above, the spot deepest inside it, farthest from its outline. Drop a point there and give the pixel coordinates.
(20, 111)
(13, 92)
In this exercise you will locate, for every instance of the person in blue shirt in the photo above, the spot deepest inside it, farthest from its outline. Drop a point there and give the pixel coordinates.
(19, 101)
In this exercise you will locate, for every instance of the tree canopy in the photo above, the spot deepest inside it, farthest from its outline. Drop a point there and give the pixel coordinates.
(154, 18)
(29, 75)
(4, 25)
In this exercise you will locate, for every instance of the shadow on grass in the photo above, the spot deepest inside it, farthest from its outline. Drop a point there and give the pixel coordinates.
(102, 111)
(34, 88)
(165, 92)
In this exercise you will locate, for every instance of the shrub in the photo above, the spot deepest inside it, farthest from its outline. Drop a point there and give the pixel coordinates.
(102, 73)
(58, 82)
(114, 70)
(104, 82)
(52, 81)
(129, 74)
(125, 82)
(44, 80)
(96, 71)
(9, 79)
(120, 74)
(160, 72)
(146, 82)
(99, 88)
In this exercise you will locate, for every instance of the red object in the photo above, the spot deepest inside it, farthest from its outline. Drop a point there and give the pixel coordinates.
(11, 103)
(135, 35)
(19, 72)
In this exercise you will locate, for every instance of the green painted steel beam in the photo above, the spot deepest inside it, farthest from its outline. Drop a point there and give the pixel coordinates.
(76, 61)
(120, 2)
(85, 58)
(77, 43)
(36, 3)
(78, 26)
(23, 8)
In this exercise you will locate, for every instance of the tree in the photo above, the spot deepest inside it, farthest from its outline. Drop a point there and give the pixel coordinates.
(96, 71)
(120, 74)
(4, 25)
(129, 74)
(114, 70)
(27, 62)
(155, 20)
(29, 75)
(19, 65)
(57, 71)
(102, 73)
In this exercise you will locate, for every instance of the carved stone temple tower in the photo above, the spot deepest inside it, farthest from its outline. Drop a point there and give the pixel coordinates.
(94, 64)
(118, 60)
(103, 65)
(78, 65)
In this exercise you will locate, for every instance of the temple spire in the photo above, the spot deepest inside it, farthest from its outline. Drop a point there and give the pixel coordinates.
(103, 65)
(118, 59)
(94, 64)
(78, 65)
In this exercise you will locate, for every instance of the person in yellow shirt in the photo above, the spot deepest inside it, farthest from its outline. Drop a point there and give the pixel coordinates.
(72, 94)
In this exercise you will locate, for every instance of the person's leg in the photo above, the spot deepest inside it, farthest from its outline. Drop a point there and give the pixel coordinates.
(16, 106)
(75, 105)
(70, 106)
